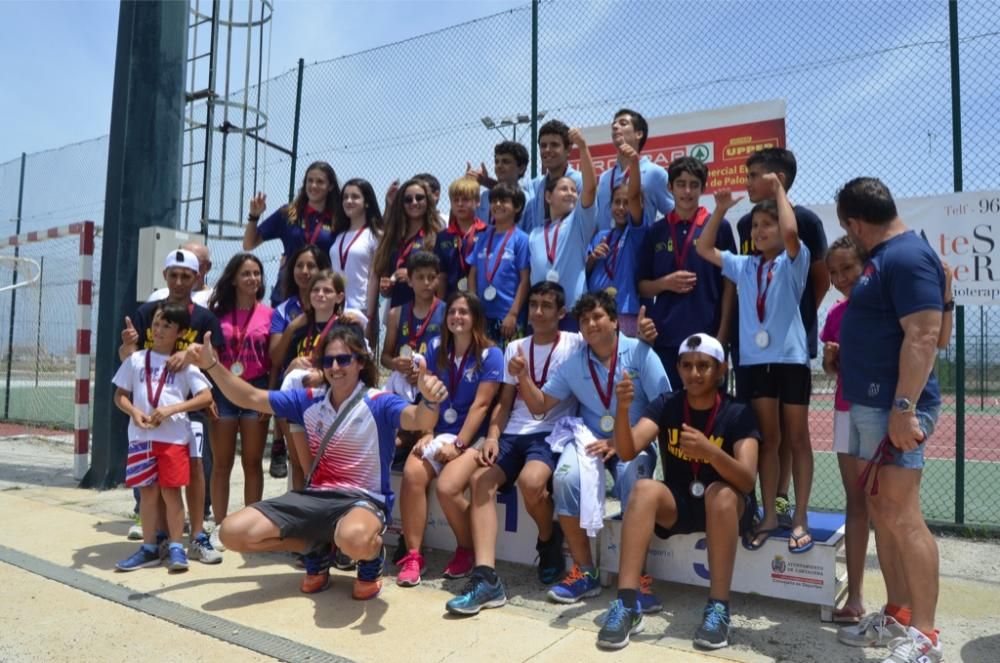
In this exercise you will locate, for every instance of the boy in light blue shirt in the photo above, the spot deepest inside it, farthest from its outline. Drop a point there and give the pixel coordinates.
(510, 162)
(629, 128)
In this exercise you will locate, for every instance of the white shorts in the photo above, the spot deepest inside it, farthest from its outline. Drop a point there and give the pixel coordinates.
(196, 439)
(841, 432)
(438, 442)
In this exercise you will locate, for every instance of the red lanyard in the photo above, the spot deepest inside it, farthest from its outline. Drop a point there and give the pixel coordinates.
(154, 399)
(239, 333)
(673, 220)
(466, 243)
(550, 251)
(762, 293)
(317, 226)
(313, 341)
(611, 262)
(548, 360)
(407, 248)
(340, 250)
(605, 398)
(414, 337)
(490, 273)
(611, 183)
(696, 464)
(453, 378)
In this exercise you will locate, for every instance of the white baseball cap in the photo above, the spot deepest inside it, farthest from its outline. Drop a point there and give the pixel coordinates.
(182, 258)
(705, 344)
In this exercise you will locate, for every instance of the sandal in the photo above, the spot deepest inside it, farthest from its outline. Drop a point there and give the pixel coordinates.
(845, 615)
(799, 548)
(752, 543)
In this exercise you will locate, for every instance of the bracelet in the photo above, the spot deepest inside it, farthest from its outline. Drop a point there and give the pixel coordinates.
(949, 306)
(253, 219)
(214, 363)
(430, 405)
(459, 444)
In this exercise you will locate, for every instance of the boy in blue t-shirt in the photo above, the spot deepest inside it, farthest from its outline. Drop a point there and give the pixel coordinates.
(611, 257)
(774, 346)
(510, 162)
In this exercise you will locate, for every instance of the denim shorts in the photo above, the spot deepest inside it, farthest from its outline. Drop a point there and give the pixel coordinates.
(870, 425)
(229, 410)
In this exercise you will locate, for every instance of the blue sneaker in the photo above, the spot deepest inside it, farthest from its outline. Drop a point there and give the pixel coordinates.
(576, 585)
(177, 559)
(551, 562)
(648, 602)
(714, 630)
(476, 595)
(619, 623)
(141, 559)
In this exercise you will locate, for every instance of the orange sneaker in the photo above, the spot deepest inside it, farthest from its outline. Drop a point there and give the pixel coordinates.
(368, 583)
(317, 576)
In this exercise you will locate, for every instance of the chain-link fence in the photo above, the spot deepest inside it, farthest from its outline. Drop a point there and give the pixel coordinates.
(868, 88)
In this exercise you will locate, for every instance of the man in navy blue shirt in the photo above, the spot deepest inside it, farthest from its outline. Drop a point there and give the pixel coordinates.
(888, 342)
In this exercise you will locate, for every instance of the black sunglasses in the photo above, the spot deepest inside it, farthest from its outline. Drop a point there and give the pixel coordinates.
(419, 198)
(341, 360)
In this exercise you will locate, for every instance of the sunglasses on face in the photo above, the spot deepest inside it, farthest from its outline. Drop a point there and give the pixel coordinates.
(419, 198)
(341, 360)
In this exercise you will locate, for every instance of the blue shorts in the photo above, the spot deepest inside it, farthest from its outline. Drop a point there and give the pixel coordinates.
(870, 425)
(229, 410)
(517, 450)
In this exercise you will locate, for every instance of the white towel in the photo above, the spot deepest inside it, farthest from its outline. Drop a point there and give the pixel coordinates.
(398, 384)
(572, 431)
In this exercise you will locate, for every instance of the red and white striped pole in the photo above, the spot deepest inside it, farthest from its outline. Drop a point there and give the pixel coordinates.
(81, 400)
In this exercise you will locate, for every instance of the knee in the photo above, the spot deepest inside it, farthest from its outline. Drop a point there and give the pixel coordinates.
(357, 540)
(233, 534)
(414, 477)
(482, 487)
(721, 499)
(448, 489)
(533, 492)
(643, 494)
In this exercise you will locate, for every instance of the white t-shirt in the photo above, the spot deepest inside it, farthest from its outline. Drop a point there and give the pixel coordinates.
(521, 421)
(199, 297)
(355, 269)
(131, 376)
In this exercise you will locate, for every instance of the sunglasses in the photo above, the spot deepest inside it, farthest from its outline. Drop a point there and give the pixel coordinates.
(341, 360)
(419, 198)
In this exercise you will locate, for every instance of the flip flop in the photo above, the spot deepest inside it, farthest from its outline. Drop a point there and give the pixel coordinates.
(799, 549)
(749, 543)
(846, 615)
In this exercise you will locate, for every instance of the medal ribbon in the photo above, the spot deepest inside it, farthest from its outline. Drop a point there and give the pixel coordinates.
(414, 340)
(762, 291)
(611, 262)
(154, 400)
(313, 341)
(605, 398)
(466, 243)
(453, 378)
(341, 252)
(696, 464)
(490, 273)
(317, 218)
(241, 333)
(407, 248)
(673, 220)
(550, 251)
(611, 182)
(548, 360)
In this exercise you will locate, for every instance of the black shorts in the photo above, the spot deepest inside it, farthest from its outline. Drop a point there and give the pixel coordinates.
(312, 515)
(517, 450)
(789, 383)
(691, 513)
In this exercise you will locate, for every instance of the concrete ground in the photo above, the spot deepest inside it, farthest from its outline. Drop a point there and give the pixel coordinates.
(51, 528)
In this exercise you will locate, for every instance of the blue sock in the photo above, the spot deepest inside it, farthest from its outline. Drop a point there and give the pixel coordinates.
(174, 545)
(149, 547)
(161, 536)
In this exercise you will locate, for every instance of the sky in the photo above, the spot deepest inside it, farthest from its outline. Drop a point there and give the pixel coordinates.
(59, 57)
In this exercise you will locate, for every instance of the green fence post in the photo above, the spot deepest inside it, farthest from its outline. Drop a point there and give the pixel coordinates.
(534, 88)
(956, 150)
(295, 132)
(13, 295)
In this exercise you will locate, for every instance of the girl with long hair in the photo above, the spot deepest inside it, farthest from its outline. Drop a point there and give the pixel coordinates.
(245, 321)
(411, 224)
(468, 363)
(356, 233)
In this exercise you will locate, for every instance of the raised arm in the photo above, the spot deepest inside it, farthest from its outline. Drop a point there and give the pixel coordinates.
(705, 246)
(629, 440)
(786, 216)
(634, 185)
(424, 415)
(589, 193)
(251, 239)
(241, 393)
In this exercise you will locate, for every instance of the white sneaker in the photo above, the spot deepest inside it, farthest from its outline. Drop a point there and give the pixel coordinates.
(914, 647)
(135, 531)
(215, 541)
(201, 549)
(876, 629)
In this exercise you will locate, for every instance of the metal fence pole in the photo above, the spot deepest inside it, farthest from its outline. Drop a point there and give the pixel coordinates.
(38, 337)
(295, 132)
(534, 88)
(13, 294)
(956, 150)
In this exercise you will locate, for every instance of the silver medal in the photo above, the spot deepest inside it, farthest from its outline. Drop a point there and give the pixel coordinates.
(463, 284)
(450, 415)
(762, 339)
(697, 488)
(553, 276)
(236, 368)
(607, 423)
(406, 351)
(490, 293)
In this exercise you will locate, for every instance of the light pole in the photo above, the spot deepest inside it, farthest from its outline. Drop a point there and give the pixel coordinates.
(513, 122)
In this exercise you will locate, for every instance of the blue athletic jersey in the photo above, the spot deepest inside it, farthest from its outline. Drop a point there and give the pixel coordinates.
(625, 244)
(575, 232)
(508, 275)
(489, 370)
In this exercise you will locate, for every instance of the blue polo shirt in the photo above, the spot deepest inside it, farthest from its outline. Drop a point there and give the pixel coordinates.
(575, 231)
(534, 211)
(490, 370)
(508, 274)
(449, 242)
(623, 266)
(408, 328)
(572, 378)
(903, 275)
(284, 313)
(812, 235)
(656, 197)
(677, 316)
(483, 211)
(782, 319)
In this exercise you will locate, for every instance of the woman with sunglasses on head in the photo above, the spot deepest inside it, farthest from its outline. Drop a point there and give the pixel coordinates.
(351, 433)
(356, 234)
(307, 220)
(411, 224)
(472, 368)
(245, 323)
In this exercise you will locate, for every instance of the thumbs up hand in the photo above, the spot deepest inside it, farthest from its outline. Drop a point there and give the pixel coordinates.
(430, 386)
(625, 391)
(129, 335)
(517, 363)
(646, 327)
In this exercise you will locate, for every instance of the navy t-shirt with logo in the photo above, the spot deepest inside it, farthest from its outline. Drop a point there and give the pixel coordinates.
(903, 275)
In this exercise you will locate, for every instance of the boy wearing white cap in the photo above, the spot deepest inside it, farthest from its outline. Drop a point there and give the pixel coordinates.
(708, 446)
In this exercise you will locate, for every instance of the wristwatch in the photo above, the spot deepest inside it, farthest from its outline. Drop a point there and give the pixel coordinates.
(903, 404)
(949, 306)
(459, 444)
